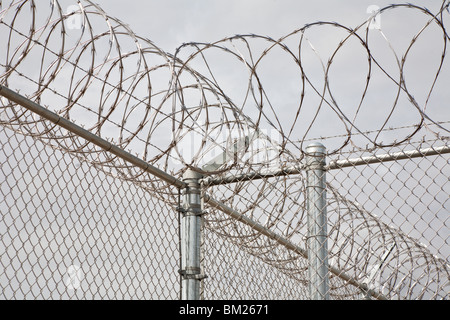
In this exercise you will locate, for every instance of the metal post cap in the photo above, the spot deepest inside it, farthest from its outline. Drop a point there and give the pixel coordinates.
(315, 147)
(191, 174)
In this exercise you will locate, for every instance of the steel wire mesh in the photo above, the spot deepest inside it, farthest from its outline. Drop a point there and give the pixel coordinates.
(72, 231)
(398, 217)
(387, 222)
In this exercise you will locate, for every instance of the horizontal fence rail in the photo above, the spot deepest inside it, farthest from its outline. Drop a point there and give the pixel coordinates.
(334, 164)
(85, 134)
(402, 155)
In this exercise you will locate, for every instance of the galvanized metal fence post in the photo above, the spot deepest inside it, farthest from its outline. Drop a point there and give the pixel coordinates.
(191, 224)
(317, 222)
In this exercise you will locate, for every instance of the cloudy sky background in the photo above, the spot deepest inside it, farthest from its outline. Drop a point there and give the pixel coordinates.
(169, 24)
(173, 22)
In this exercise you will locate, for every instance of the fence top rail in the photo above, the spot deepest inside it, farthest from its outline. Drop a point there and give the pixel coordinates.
(89, 136)
(211, 181)
(334, 164)
(402, 155)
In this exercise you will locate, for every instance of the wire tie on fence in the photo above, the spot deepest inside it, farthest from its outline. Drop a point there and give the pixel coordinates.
(191, 211)
(181, 210)
(195, 276)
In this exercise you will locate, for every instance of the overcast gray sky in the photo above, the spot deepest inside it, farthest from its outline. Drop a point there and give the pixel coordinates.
(170, 23)
(174, 22)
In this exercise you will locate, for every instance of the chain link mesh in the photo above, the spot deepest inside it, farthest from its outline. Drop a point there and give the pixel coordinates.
(234, 272)
(389, 222)
(72, 231)
(388, 225)
(78, 222)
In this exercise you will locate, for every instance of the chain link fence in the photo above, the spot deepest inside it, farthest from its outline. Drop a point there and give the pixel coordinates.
(69, 230)
(391, 219)
(166, 197)
(387, 223)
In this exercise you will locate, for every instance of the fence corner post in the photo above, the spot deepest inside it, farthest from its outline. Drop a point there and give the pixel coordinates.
(317, 222)
(191, 224)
